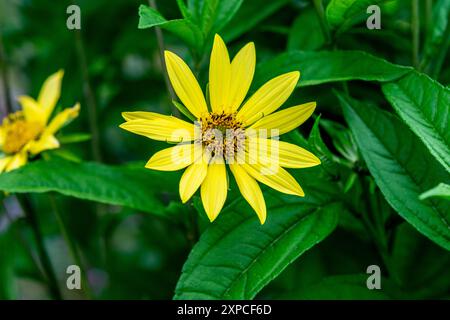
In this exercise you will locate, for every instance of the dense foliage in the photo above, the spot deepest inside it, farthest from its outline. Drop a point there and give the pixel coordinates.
(380, 196)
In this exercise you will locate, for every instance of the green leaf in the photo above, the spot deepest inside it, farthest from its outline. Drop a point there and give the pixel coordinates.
(303, 34)
(74, 138)
(424, 104)
(183, 28)
(249, 15)
(442, 190)
(258, 253)
(342, 14)
(329, 66)
(423, 269)
(184, 110)
(319, 148)
(402, 168)
(342, 139)
(213, 15)
(185, 12)
(436, 34)
(137, 188)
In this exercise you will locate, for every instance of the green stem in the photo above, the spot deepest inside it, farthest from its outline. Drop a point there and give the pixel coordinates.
(72, 247)
(161, 46)
(374, 231)
(42, 252)
(415, 32)
(89, 97)
(318, 4)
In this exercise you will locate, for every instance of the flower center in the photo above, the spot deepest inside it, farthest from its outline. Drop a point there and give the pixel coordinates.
(18, 132)
(222, 134)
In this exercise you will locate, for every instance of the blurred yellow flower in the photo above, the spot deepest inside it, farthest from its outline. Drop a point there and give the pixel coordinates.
(28, 132)
(228, 131)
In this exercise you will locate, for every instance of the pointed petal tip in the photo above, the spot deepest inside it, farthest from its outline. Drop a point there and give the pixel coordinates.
(168, 55)
(123, 126)
(295, 75)
(262, 217)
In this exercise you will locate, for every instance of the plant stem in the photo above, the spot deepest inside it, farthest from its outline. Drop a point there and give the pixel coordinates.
(43, 255)
(5, 80)
(89, 97)
(318, 4)
(161, 46)
(376, 234)
(415, 32)
(72, 246)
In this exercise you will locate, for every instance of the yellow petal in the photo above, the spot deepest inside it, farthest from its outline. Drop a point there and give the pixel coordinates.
(46, 142)
(136, 115)
(275, 177)
(285, 120)
(165, 128)
(192, 178)
(17, 160)
(32, 110)
(185, 84)
(214, 189)
(242, 71)
(50, 93)
(61, 119)
(4, 163)
(172, 159)
(284, 154)
(268, 98)
(219, 76)
(250, 190)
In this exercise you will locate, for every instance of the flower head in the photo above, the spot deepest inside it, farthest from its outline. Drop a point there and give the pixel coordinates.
(228, 131)
(29, 132)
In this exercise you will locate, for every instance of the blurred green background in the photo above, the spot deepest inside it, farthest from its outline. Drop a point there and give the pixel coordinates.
(132, 255)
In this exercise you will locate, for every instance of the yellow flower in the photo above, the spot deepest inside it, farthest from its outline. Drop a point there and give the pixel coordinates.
(29, 132)
(228, 131)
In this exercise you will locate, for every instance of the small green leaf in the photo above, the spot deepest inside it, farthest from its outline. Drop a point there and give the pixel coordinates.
(329, 66)
(424, 104)
(183, 28)
(137, 188)
(436, 34)
(183, 110)
(442, 190)
(350, 181)
(319, 148)
(342, 14)
(401, 167)
(249, 15)
(303, 34)
(258, 253)
(214, 14)
(183, 9)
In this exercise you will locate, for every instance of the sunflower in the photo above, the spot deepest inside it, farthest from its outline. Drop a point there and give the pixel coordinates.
(228, 131)
(28, 132)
